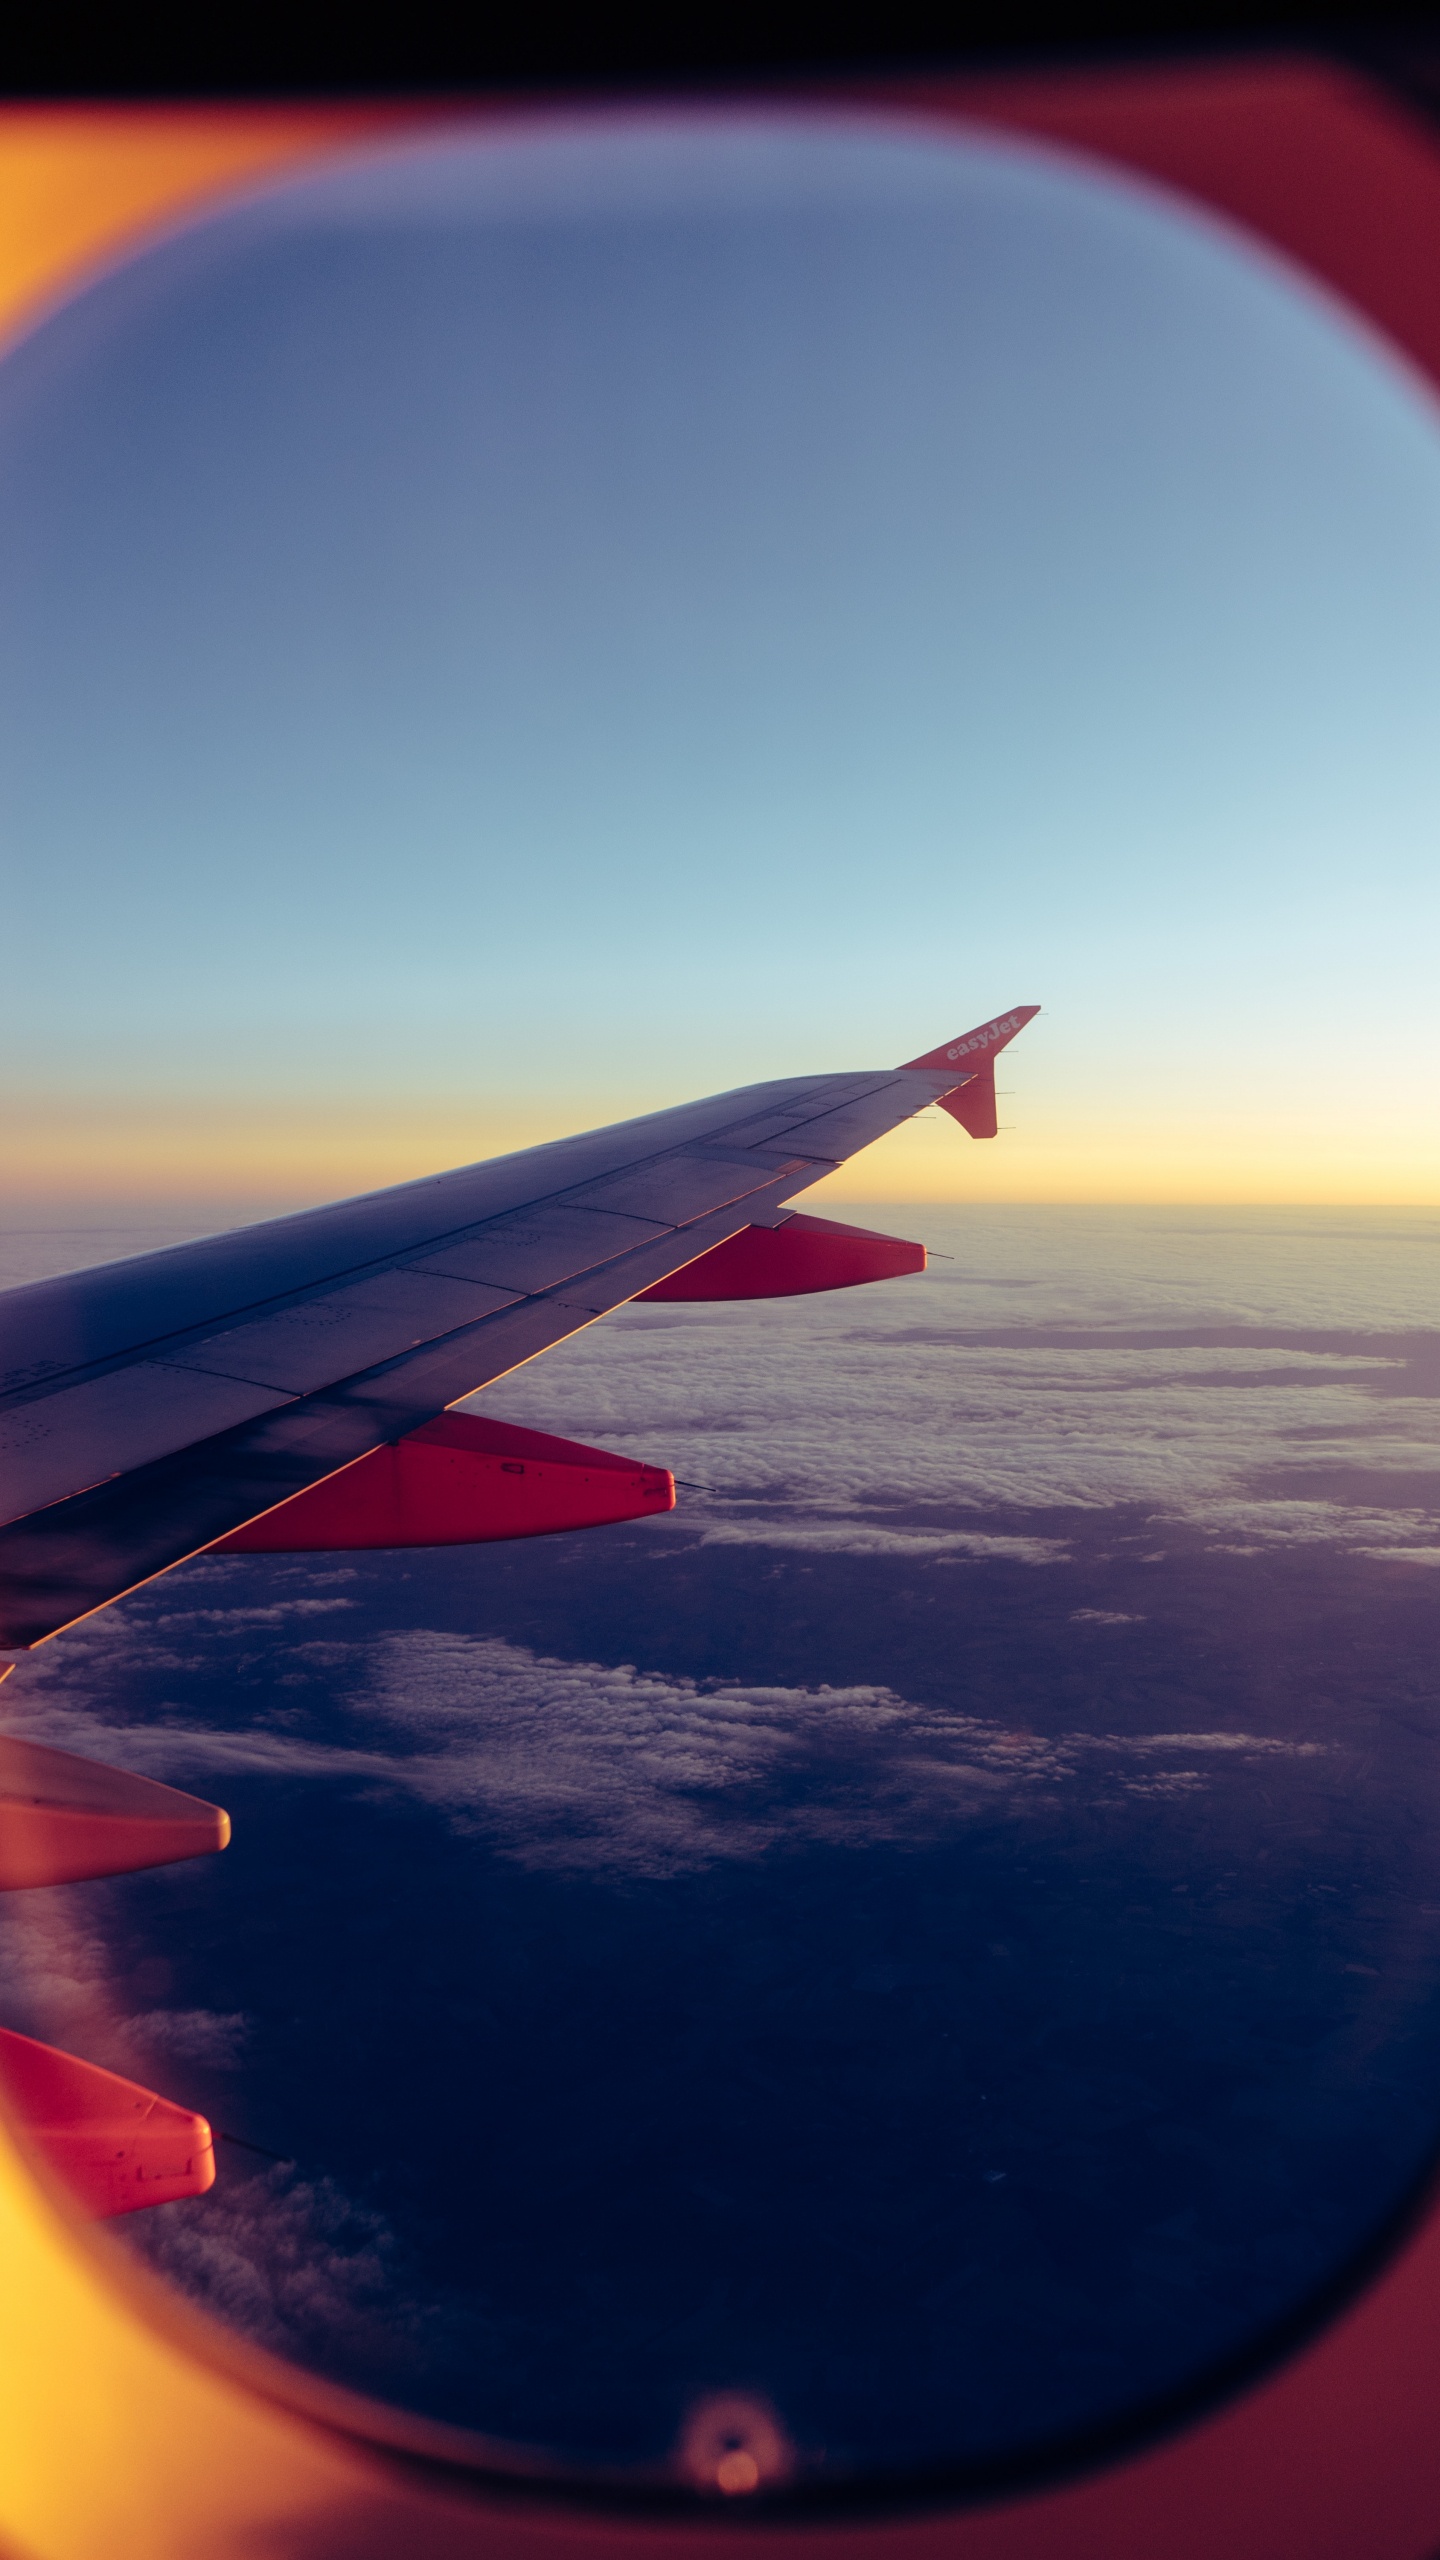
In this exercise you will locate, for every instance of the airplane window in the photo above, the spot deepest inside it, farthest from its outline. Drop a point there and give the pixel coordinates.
(927, 1955)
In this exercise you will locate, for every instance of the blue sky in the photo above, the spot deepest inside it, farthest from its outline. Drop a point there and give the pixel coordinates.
(511, 632)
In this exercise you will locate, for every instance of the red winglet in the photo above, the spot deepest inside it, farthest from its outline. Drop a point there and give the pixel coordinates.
(972, 1059)
(972, 1048)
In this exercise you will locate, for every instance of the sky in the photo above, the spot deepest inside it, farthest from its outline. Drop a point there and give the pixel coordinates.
(512, 631)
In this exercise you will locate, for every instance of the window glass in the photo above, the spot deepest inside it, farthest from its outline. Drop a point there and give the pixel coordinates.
(932, 1949)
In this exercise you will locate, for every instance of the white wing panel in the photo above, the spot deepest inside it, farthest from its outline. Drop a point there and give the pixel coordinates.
(311, 1345)
(837, 1134)
(537, 1248)
(676, 1188)
(78, 1436)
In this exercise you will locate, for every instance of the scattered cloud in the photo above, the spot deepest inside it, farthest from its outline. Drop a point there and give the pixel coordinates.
(1283, 1523)
(186, 1755)
(583, 1765)
(210, 2036)
(1251, 1745)
(274, 1614)
(290, 2262)
(55, 1976)
(59, 1980)
(863, 1411)
(576, 1764)
(860, 1537)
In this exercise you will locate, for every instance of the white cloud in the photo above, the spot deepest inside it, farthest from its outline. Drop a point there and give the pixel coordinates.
(216, 2038)
(583, 1765)
(290, 2262)
(274, 1613)
(870, 1403)
(855, 1536)
(185, 1755)
(588, 1765)
(55, 1975)
(1251, 1745)
(1285, 1523)
(60, 1695)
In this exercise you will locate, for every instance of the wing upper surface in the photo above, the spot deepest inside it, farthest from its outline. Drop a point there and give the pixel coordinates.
(149, 1406)
(55, 1326)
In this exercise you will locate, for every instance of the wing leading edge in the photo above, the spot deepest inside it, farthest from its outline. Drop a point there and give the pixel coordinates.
(150, 1408)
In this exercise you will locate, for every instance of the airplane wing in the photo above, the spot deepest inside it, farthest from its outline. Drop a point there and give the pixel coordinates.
(153, 1407)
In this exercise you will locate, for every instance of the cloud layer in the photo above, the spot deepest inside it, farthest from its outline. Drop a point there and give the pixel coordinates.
(1058, 1366)
(589, 1766)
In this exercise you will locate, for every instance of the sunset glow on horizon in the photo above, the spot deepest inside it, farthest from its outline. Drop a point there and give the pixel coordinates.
(76, 1163)
(466, 688)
